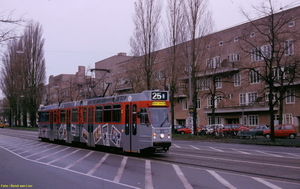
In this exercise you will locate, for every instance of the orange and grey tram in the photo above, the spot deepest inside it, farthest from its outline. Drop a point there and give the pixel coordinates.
(130, 122)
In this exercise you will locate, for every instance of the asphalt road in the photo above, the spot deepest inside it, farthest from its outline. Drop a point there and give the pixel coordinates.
(26, 161)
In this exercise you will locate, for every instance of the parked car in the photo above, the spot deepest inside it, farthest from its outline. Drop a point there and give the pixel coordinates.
(233, 129)
(259, 129)
(2, 125)
(282, 130)
(188, 130)
(176, 127)
(213, 129)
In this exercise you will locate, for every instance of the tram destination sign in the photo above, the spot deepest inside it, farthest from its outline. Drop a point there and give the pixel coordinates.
(159, 96)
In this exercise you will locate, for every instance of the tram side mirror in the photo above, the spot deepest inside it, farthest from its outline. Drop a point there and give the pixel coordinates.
(139, 114)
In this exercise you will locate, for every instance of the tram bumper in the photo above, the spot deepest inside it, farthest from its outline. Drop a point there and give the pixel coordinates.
(161, 146)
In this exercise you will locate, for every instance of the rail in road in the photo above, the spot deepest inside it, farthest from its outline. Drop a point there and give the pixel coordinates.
(137, 172)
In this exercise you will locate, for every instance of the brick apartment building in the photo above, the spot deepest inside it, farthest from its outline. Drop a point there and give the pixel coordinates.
(67, 87)
(232, 63)
(229, 58)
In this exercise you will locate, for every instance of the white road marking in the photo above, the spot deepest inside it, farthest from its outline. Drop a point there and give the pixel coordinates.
(41, 151)
(291, 154)
(266, 183)
(52, 154)
(62, 157)
(176, 145)
(70, 170)
(79, 160)
(121, 170)
(221, 179)
(148, 176)
(195, 147)
(216, 149)
(97, 165)
(181, 176)
(239, 151)
(268, 153)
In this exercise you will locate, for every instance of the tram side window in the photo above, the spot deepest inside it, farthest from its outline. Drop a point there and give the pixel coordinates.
(144, 116)
(44, 117)
(116, 113)
(99, 116)
(107, 113)
(84, 115)
(54, 116)
(75, 115)
(63, 116)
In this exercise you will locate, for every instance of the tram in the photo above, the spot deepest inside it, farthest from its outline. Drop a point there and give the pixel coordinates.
(131, 122)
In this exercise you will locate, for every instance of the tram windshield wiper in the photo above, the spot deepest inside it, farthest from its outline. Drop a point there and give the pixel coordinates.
(163, 122)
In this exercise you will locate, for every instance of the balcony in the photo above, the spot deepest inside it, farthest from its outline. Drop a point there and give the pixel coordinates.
(252, 107)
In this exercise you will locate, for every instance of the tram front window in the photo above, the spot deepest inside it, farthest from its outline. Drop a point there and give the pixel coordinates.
(159, 117)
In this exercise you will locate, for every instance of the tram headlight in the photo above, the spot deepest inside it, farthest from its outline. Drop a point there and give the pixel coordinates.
(154, 135)
(162, 135)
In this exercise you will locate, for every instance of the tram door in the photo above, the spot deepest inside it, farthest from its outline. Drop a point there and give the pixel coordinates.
(90, 126)
(131, 140)
(68, 124)
(51, 118)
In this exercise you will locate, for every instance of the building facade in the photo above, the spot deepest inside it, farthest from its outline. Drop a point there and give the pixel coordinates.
(68, 87)
(237, 68)
(238, 72)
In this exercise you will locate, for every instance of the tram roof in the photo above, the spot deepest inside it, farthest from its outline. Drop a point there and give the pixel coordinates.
(143, 96)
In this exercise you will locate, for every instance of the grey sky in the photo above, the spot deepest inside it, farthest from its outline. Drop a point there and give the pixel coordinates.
(82, 32)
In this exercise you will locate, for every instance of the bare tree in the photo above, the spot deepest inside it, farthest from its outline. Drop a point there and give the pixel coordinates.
(145, 40)
(23, 73)
(199, 24)
(172, 70)
(271, 41)
(12, 81)
(8, 25)
(34, 68)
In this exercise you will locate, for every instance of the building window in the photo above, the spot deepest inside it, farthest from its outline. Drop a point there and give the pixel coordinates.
(184, 104)
(244, 120)
(247, 98)
(289, 47)
(237, 79)
(213, 63)
(292, 24)
(203, 84)
(210, 101)
(252, 97)
(234, 58)
(267, 96)
(218, 120)
(254, 76)
(218, 82)
(290, 96)
(266, 51)
(236, 39)
(160, 74)
(182, 86)
(256, 55)
(288, 119)
(253, 120)
(198, 104)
